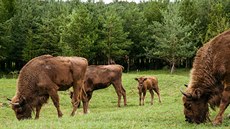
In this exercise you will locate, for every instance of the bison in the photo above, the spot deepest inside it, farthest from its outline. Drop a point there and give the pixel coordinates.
(147, 83)
(42, 77)
(209, 81)
(99, 77)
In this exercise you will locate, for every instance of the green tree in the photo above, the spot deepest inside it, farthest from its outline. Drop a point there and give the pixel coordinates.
(44, 32)
(202, 8)
(152, 10)
(188, 12)
(80, 33)
(7, 10)
(136, 24)
(219, 20)
(171, 37)
(113, 40)
(24, 23)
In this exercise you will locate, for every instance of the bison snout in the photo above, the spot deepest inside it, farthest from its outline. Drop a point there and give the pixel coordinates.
(188, 119)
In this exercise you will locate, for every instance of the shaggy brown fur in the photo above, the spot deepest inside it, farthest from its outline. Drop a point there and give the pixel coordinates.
(42, 77)
(210, 81)
(147, 83)
(100, 77)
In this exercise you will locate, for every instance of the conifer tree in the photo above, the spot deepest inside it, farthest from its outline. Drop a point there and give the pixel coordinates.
(171, 37)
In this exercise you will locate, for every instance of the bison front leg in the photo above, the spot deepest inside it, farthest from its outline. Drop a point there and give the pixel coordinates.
(38, 108)
(55, 98)
(223, 105)
(140, 97)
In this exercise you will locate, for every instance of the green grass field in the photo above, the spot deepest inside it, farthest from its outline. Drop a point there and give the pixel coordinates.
(104, 113)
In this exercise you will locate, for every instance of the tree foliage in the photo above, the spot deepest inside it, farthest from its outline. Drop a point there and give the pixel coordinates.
(119, 31)
(171, 37)
(114, 41)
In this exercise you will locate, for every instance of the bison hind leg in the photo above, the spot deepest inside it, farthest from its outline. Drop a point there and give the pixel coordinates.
(152, 96)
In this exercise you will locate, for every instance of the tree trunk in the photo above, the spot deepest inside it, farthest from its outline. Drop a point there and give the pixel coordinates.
(127, 61)
(128, 66)
(173, 67)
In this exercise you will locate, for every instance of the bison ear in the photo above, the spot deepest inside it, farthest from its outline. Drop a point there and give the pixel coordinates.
(136, 79)
(22, 101)
(197, 93)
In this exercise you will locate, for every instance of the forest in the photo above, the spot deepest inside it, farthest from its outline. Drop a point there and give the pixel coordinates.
(151, 34)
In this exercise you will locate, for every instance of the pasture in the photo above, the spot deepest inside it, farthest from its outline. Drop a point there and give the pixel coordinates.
(104, 113)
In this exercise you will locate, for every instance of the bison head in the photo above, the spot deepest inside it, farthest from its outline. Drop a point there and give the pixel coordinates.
(195, 107)
(21, 108)
(141, 81)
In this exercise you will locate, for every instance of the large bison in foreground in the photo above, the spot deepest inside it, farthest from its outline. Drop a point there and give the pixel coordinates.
(102, 76)
(210, 81)
(42, 77)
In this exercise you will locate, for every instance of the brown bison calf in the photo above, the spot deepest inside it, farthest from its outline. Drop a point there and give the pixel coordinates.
(100, 77)
(147, 83)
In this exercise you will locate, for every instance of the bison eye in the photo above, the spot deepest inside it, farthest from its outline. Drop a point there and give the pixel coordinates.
(19, 110)
(188, 105)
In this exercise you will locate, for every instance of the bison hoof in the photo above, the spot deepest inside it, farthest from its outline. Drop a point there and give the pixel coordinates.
(216, 123)
(72, 114)
(60, 115)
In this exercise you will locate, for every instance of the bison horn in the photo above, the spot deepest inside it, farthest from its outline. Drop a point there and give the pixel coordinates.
(185, 85)
(16, 104)
(185, 94)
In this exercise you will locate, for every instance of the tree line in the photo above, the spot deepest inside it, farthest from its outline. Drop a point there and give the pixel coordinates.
(145, 35)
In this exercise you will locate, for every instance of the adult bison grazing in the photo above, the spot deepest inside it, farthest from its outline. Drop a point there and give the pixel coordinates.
(102, 76)
(42, 77)
(210, 81)
(147, 83)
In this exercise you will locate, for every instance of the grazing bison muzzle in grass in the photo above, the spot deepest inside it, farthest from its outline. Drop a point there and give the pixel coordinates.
(210, 81)
(42, 77)
(147, 83)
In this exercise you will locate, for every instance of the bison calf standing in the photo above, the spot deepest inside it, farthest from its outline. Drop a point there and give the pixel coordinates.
(147, 83)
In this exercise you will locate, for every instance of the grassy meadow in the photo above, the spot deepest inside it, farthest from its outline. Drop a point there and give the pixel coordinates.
(104, 113)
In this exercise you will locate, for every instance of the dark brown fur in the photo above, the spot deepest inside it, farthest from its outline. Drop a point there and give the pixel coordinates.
(147, 83)
(99, 77)
(42, 77)
(210, 81)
